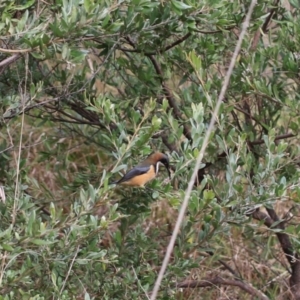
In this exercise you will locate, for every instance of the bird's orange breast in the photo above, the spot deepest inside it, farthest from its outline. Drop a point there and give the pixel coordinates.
(141, 180)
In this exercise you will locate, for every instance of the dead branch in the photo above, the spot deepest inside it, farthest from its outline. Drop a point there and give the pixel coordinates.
(220, 281)
(272, 221)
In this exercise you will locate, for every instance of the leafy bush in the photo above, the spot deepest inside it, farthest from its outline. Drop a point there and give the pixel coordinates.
(90, 88)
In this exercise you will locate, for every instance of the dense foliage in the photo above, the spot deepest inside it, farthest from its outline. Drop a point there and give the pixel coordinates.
(88, 89)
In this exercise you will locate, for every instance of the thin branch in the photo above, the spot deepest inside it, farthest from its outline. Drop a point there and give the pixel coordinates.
(164, 135)
(72, 122)
(172, 45)
(111, 50)
(69, 271)
(15, 112)
(256, 142)
(248, 115)
(264, 28)
(201, 153)
(23, 100)
(3, 257)
(213, 31)
(261, 216)
(77, 120)
(139, 283)
(218, 280)
(167, 92)
(171, 145)
(9, 60)
(273, 221)
(227, 267)
(177, 42)
(208, 32)
(15, 51)
(170, 98)
(278, 137)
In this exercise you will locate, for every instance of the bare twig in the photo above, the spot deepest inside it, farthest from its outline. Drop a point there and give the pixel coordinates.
(69, 271)
(264, 28)
(278, 137)
(166, 90)
(9, 60)
(15, 112)
(170, 98)
(3, 257)
(23, 99)
(15, 51)
(229, 268)
(172, 45)
(272, 221)
(218, 280)
(136, 277)
(2, 194)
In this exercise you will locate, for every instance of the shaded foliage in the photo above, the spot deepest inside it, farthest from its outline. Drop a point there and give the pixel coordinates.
(89, 88)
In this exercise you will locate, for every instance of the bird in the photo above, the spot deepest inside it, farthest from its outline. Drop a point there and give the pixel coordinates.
(145, 171)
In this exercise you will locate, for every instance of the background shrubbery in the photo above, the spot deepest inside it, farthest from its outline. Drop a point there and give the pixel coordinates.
(88, 89)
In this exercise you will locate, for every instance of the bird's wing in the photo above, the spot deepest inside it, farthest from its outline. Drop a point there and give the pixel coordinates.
(137, 171)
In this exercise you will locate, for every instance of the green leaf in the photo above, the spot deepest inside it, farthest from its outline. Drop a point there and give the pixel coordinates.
(27, 4)
(87, 296)
(87, 5)
(119, 168)
(7, 247)
(41, 242)
(180, 5)
(155, 195)
(295, 3)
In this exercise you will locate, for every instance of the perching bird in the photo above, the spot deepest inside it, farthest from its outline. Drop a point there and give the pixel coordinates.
(145, 171)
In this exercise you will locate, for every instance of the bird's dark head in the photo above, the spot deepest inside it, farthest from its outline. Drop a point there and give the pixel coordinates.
(162, 158)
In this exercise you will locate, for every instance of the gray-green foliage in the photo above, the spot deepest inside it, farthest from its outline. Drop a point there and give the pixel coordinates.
(130, 77)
